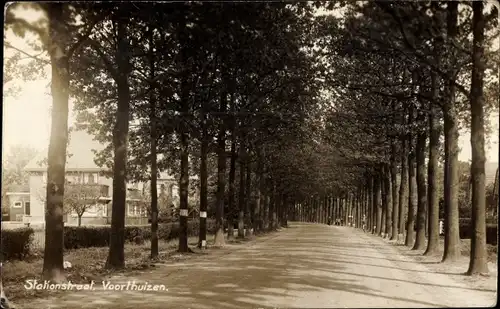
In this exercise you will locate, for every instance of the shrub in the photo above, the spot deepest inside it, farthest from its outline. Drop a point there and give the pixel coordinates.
(465, 231)
(492, 234)
(83, 237)
(16, 243)
(171, 231)
(133, 231)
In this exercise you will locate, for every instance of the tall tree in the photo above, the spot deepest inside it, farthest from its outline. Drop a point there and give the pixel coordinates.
(120, 73)
(478, 255)
(451, 228)
(57, 38)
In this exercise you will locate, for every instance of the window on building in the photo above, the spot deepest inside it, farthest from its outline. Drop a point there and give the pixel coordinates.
(130, 209)
(18, 205)
(105, 210)
(92, 209)
(72, 178)
(91, 179)
(27, 209)
(104, 190)
(134, 210)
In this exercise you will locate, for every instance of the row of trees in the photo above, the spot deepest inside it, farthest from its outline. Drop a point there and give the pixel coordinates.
(199, 84)
(268, 104)
(403, 87)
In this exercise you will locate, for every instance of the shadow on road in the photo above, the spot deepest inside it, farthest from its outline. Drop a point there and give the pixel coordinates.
(302, 266)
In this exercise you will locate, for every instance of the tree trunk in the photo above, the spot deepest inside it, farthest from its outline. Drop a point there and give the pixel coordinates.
(334, 209)
(388, 193)
(432, 185)
(337, 209)
(202, 242)
(370, 194)
(347, 204)
(231, 189)
(54, 226)
(116, 256)
(272, 207)
(264, 211)
(366, 206)
(478, 254)
(421, 191)
(394, 191)
(383, 198)
(284, 210)
(451, 227)
(248, 201)
(184, 141)
(342, 211)
(154, 168)
(362, 206)
(183, 188)
(257, 222)
(319, 210)
(278, 210)
(410, 223)
(260, 194)
(402, 190)
(377, 205)
(221, 176)
(241, 193)
(327, 208)
(322, 209)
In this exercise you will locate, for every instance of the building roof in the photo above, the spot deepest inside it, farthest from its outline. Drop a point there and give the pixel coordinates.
(80, 154)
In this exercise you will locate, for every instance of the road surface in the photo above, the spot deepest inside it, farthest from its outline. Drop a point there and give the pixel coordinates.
(304, 266)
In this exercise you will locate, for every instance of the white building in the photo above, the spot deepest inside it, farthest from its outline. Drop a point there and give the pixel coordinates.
(80, 168)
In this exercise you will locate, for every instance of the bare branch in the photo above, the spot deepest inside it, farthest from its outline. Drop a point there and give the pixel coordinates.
(85, 36)
(8, 45)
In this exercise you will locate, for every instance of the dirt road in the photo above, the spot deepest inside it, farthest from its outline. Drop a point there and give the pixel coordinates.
(304, 266)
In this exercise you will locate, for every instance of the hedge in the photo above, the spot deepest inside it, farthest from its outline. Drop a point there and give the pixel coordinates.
(84, 237)
(465, 231)
(16, 243)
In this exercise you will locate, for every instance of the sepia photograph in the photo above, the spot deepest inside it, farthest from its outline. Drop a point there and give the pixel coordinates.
(250, 154)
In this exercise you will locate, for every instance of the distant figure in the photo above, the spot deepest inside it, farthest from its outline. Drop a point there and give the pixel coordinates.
(329, 221)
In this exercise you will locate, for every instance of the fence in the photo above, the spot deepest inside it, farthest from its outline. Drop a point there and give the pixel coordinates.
(130, 221)
(38, 238)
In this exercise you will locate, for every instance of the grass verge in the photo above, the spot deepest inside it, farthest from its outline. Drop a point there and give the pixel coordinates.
(87, 264)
